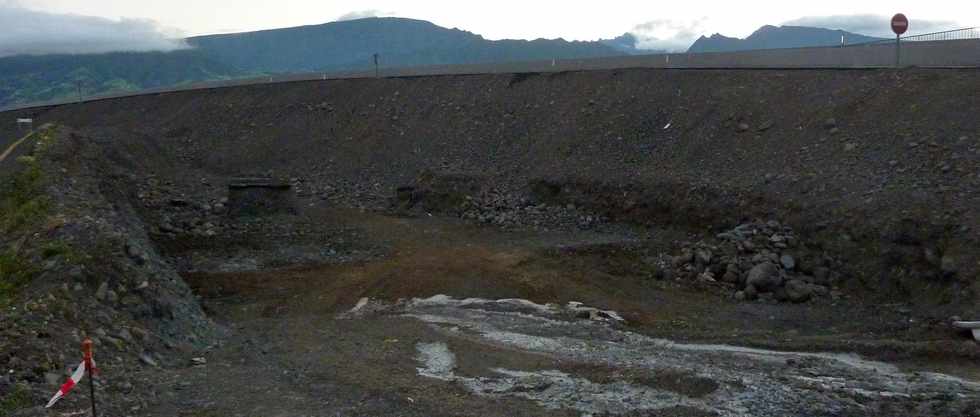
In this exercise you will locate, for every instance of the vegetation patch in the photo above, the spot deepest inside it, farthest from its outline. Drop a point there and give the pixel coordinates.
(60, 248)
(23, 205)
(17, 399)
(15, 271)
(22, 200)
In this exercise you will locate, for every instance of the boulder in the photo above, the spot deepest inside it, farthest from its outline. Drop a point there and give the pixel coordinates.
(731, 274)
(703, 256)
(798, 291)
(685, 257)
(819, 290)
(102, 291)
(948, 266)
(764, 277)
(788, 262)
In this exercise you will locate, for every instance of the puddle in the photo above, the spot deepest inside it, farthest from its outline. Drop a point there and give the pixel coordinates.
(438, 362)
(744, 381)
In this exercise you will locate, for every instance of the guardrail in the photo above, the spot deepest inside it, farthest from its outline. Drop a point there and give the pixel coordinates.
(958, 53)
(946, 35)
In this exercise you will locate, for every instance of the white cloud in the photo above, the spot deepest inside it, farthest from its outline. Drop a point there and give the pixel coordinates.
(870, 24)
(33, 32)
(363, 14)
(668, 34)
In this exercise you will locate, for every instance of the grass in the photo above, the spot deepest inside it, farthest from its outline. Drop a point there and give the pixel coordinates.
(63, 249)
(15, 271)
(22, 202)
(17, 399)
(23, 205)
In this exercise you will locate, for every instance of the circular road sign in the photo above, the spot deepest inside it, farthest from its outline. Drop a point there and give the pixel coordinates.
(900, 24)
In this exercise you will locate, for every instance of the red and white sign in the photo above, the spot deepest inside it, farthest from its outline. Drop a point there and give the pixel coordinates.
(900, 24)
(75, 378)
(87, 365)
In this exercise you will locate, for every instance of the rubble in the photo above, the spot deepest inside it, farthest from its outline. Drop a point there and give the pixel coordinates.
(759, 259)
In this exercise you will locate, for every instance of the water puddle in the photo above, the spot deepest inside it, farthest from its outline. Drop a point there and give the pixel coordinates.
(749, 381)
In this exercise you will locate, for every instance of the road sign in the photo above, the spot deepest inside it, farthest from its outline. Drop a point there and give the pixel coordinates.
(900, 24)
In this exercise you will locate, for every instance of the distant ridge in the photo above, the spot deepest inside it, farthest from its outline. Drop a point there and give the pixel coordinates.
(776, 37)
(336, 46)
(351, 44)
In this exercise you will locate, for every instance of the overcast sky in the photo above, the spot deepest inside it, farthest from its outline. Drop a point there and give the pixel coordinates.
(151, 24)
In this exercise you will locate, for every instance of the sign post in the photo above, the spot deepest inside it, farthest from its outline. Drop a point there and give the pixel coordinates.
(900, 24)
(86, 367)
(90, 368)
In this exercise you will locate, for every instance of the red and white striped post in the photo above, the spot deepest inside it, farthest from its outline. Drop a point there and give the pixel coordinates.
(86, 367)
(90, 368)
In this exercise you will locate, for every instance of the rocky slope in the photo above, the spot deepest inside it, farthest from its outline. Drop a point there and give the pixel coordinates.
(880, 166)
(77, 261)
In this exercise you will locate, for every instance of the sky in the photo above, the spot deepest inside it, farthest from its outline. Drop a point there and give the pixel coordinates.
(99, 25)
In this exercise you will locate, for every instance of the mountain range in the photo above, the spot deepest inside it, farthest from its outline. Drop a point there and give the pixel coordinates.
(335, 46)
(350, 45)
(777, 37)
(34, 78)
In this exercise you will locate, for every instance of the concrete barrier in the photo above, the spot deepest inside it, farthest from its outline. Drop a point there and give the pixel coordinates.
(931, 54)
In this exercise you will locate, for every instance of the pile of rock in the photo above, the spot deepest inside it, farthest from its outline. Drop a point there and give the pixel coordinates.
(760, 260)
(175, 213)
(475, 198)
(505, 210)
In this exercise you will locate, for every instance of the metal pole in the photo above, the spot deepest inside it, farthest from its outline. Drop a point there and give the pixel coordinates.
(87, 355)
(898, 51)
(91, 390)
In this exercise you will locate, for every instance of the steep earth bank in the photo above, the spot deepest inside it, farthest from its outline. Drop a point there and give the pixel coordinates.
(879, 166)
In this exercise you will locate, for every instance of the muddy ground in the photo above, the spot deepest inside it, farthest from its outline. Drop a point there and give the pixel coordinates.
(299, 358)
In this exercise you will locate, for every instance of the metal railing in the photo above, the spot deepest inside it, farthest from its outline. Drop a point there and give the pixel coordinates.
(946, 35)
